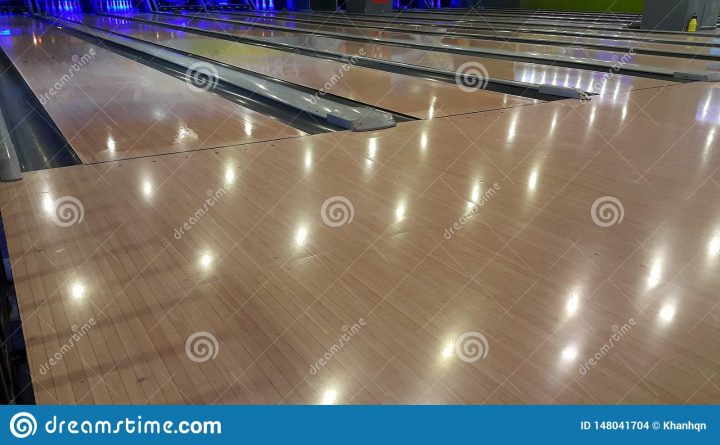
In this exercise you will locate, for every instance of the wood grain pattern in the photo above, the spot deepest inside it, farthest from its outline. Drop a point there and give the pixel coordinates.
(496, 68)
(491, 23)
(572, 47)
(109, 107)
(278, 287)
(404, 94)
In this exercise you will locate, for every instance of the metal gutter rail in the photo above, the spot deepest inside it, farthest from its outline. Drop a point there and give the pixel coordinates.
(9, 164)
(351, 118)
(512, 55)
(552, 90)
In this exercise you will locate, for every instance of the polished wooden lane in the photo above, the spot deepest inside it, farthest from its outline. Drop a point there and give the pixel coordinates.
(550, 51)
(593, 81)
(601, 34)
(369, 29)
(109, 107)
(477, 223)
(440, 19)
(404, 94)
(605, 16)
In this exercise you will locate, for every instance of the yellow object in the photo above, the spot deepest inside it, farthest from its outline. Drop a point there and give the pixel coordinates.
(692, 26)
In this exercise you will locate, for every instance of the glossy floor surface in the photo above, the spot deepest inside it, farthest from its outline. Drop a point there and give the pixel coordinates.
(527, 26)
(540, 252)
(369, 27)
(496, 68)
(390, 91)
(109, 107)
(275, 287)
(358, 28)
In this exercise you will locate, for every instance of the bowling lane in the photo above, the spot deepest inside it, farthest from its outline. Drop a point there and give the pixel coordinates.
(593, 81)
(442, 38)
(640, 36)
(408, 95)
(499, 20)
(109, 107)
(407, 186)
(565, 15)
(364, 28)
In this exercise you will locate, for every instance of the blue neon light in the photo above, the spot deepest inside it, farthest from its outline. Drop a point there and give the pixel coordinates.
(117, 5)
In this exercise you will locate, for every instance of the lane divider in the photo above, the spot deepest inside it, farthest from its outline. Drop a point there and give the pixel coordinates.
(348, 117)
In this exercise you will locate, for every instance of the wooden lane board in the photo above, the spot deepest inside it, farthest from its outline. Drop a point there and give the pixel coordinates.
(403, 94)
(276, 286)
(597, 82)
(109, 107)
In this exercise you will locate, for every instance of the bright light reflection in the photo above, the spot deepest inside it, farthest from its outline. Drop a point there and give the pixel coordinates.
(569, 353)
(77, 291)
(475, 194)
(301, 236)
(206, 260)
(447, 351)
(229, 175)
(655, 274)
(147, 189)
(48, 204)
(532, 180)
(329, 397)
(400, 212)
(572, 304)
(667, 313)
(372, 148)
(714, 246)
